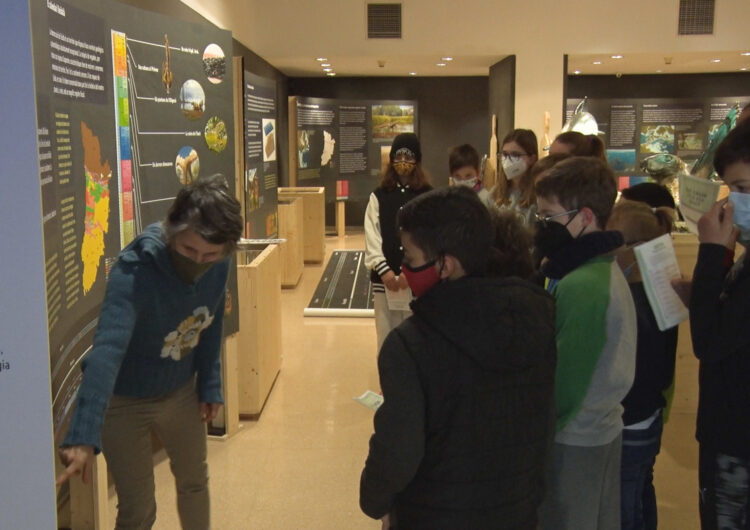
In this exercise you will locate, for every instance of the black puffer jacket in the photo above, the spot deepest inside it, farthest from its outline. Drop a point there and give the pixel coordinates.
(468, 382)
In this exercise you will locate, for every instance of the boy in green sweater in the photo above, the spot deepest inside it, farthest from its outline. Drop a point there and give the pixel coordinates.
(596, 343)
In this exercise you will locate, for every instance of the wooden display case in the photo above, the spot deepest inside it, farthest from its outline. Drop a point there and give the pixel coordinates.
(292, 250)
(259, 340)
(313, 220)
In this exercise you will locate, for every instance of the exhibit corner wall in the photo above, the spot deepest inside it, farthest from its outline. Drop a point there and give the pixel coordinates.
(27, 489)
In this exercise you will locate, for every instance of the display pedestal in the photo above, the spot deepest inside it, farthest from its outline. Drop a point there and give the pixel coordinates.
(89, 503)
(259, 342)
(292, 250)
(314, 220)
(340, 217)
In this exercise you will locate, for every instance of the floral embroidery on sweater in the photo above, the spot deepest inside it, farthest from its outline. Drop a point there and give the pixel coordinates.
(179, 342)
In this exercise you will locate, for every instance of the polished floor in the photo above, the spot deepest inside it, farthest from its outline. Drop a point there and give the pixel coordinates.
(298, 466)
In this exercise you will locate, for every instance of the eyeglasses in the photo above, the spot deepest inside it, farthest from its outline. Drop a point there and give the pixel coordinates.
(544, 219)
(512, 157)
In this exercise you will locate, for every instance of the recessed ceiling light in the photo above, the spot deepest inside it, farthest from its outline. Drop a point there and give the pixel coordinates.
(577, 72)
(743, 69)
(745, 53)
(715, 60)
(659, 71)
(331, 74)
(597, 62)
(617, 56)
(412, 73)
(446, 58)
(325, 65)
(321, 59)
(328, 69)
(440, 64)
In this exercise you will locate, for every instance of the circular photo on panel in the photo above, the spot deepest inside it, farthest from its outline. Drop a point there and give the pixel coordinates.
(214, 63)
(192, 99)
(216, 134)
(187, 165)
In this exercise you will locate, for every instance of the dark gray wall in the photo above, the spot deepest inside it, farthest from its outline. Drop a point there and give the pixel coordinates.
(658, 86)
(252, 62)
(502, 95)
(452, 111)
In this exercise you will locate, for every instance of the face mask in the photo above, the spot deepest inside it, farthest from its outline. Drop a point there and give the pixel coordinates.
(469, 183)
(188, 270)
(404, 169)
(421, 279)
(514, 168)
(550, 236)
(741, 217)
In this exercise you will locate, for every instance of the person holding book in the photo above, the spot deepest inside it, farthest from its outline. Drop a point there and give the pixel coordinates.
(719, 304)
(654, 369)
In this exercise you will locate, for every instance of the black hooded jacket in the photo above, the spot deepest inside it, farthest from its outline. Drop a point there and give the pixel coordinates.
(468, 382)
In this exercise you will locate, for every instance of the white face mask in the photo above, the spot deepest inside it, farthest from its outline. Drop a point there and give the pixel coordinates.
(741, 217)
(514, 168)
(469, 183)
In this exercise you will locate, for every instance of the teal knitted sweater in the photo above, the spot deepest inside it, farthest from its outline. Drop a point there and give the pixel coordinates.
(155, 333)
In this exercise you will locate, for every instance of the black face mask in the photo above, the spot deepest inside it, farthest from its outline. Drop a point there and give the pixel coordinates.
(550, 236)
(188, 270)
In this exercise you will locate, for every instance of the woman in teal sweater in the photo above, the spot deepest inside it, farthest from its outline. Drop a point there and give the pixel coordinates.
(160, 326)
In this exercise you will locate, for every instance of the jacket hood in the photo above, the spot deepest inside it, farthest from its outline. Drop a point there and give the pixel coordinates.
(501, 324)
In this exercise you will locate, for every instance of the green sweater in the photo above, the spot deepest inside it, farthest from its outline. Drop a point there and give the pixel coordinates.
(596, 344)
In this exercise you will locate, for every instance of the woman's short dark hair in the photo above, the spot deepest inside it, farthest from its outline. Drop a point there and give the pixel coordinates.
(735, 148)
(206, 206)
(450, 221)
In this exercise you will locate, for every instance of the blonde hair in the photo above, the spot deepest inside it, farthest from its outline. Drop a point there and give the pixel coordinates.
(639, 222)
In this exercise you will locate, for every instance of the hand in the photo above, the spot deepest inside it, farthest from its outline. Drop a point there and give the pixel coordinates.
(209, 411)
(402, 283)
(78, 459)
(715, 226)
(683, 288)
(390, 280)
(386, 520)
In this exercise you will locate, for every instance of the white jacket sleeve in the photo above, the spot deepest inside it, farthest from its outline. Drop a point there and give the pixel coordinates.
(374, 258)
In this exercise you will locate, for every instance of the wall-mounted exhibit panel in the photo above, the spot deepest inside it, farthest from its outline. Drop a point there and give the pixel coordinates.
(341, 144)
(635, 129)
(131, 106)
(261, 178)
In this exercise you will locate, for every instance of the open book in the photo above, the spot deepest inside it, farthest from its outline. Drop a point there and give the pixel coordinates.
(658, 264)
(697, 196)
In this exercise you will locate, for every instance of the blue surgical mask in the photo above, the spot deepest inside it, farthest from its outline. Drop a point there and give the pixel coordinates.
(741, 217)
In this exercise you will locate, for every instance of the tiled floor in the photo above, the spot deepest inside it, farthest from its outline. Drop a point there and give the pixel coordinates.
(298, 466)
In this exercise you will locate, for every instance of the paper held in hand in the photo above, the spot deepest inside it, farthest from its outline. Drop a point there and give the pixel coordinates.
(399, 300)
(370, 399)
(658, 264)
(697, 196)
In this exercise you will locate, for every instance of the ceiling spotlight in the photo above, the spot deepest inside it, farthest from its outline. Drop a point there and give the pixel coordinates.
(328, 69)
(577, 72)
(659, 71)
(440, 64)
(743, 69)
(745, 53)
(325, 65)
(617, 56)
(715, 60)
(412, 73)
(331, 74)
(321, 59)
(446, 58)
(597, 62)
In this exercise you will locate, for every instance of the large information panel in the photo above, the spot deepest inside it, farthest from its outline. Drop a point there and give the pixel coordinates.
(341, 144)
(261, 166)
(634, 129)
(131, 106)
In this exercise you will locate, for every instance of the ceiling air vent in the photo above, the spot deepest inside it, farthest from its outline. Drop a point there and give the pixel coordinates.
(383, 21)
(696, 17)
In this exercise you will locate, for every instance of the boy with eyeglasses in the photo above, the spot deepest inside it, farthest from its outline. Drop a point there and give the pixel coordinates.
(596, 343)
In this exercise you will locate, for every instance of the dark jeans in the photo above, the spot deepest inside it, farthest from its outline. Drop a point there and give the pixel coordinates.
(637, 493)
(724, 494)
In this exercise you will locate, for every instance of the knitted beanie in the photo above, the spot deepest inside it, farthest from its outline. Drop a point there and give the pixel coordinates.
(409, 142)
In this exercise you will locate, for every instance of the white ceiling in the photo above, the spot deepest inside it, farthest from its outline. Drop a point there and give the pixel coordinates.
(291, 34)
